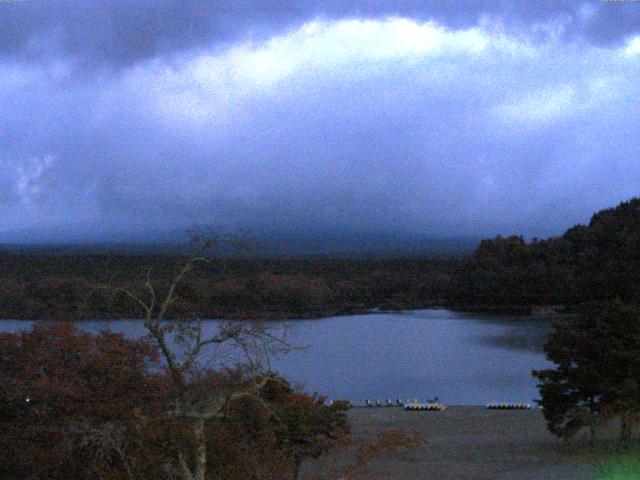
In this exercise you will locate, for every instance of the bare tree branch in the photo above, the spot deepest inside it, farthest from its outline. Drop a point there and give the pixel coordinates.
(253, 340)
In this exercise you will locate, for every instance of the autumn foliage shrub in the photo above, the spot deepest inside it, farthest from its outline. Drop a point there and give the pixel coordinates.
(60, 387)
(77, 405)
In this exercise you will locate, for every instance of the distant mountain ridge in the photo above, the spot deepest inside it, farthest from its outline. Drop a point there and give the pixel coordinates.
(88, 233)
(89, 238)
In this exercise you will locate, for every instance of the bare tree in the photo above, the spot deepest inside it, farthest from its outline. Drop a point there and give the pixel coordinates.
(182, 344)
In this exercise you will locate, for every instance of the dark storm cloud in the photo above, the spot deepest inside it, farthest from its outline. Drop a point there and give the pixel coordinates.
(337, 125)
(123, 32)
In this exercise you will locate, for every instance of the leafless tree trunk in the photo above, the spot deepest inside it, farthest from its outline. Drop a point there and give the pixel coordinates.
(255, 341)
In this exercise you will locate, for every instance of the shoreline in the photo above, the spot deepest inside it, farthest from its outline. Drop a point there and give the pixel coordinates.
(489, 310)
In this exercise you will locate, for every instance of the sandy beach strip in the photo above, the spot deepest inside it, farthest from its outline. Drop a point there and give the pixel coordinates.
(468, 443)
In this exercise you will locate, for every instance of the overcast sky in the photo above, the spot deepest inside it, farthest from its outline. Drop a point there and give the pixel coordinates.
(440, 117)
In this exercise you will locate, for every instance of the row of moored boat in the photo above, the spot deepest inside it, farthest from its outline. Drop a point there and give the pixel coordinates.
(509, 406)
(435, 405)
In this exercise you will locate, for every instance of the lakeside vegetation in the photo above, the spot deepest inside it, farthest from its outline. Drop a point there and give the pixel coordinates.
(597, 262)
(103, 406)
(47, 286)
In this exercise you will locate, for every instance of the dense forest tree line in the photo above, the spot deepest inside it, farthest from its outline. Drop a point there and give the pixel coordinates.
(597, 262)
(589, 263)
(54, 286)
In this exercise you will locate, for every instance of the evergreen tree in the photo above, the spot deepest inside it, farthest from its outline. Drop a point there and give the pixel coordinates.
(597, 374)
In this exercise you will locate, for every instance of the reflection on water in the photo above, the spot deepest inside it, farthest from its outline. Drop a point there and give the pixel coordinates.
(528, 333)
(460, 358)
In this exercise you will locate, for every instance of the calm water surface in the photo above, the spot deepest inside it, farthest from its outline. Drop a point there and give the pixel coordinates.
(463, 359)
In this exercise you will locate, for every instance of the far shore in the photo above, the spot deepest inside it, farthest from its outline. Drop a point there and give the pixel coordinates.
(274, 315)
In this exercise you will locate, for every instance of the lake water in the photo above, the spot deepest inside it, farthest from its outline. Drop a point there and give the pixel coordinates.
(463, 359)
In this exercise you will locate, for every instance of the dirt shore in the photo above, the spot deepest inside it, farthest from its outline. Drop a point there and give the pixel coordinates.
(469, 443)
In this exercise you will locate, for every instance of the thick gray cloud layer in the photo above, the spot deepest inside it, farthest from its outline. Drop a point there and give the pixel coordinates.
(122, 32)
(481, 120)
